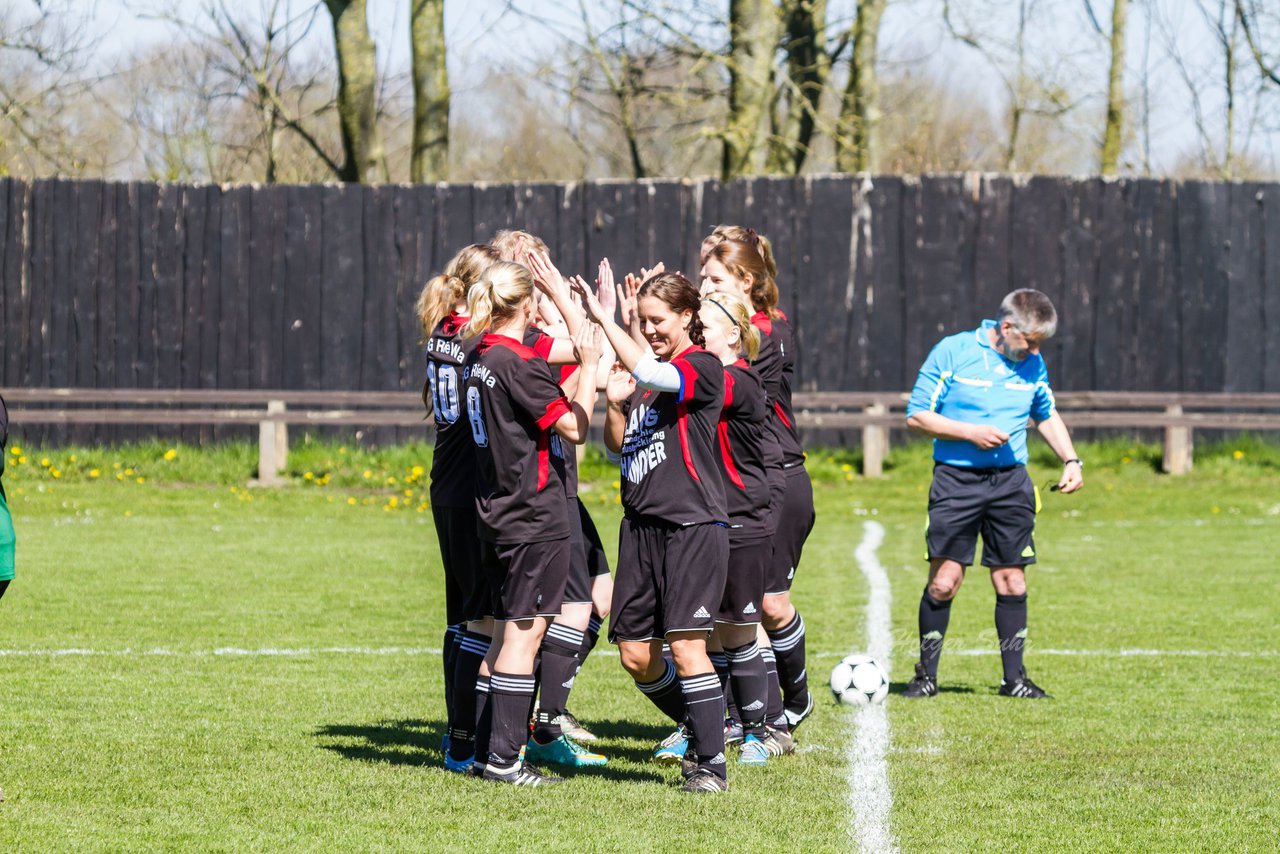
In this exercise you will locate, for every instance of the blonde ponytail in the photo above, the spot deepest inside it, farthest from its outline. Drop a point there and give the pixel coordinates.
(441, 293)
(498, 295)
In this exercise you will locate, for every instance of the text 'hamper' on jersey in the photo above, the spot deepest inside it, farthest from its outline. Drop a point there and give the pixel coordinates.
(453, 466)
(966, 379)
(512, 404)
(669, 466)
(776, 364)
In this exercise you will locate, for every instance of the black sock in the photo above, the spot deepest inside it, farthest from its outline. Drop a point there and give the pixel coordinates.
(721, 664)
(775, 714)
(511, 697)
(934, 616)
(466, 672)
(449, 656)
(664, 692)
(1011, 627)
(559, 664)
(788, 647)
(484, 720)
(705, 701)
(589, 638)
(750, 685)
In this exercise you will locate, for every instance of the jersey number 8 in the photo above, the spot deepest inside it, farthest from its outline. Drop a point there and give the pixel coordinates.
(476, 417)
(444, 392)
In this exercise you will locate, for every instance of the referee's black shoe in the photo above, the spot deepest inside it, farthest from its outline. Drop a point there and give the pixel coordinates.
(1023, 687)
(923, 685)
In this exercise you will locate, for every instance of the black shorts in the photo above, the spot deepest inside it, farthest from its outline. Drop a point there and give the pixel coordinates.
(795, 521)
(670, 578)
(597, 560)
(526, 579)
(577, 589)
(1000, 504)
(749, 557)
(466, 589)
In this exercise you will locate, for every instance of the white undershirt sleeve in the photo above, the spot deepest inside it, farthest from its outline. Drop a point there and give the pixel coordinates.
(655, 375)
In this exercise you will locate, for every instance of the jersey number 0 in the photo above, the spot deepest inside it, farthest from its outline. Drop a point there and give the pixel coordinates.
(444, 392)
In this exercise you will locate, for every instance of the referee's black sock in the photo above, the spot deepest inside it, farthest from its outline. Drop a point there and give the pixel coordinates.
(466, 675)
(512, 695)
(664, 692)
(1011, 627)
(788, 647)
(560, 648)
(705, 701)
(775, 713)
(750, 684)
(934, 616)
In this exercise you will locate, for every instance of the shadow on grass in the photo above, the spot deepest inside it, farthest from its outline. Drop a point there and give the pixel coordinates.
(899, 687)
(417, 743)
(403, 742)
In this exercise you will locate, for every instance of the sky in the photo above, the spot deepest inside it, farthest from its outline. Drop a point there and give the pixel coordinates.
(482, 38)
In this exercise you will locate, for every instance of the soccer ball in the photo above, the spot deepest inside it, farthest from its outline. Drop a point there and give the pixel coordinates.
(859, 681)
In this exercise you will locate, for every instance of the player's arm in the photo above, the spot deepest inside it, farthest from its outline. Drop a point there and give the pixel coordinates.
(548, 280)
(926, 399)
(574, 424)
(1054, 431)
(621, 386)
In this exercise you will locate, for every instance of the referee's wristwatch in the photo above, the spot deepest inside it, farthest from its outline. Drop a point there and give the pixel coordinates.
(1076, 460)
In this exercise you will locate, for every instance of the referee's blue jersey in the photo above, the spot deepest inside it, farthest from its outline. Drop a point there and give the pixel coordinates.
(967, 380)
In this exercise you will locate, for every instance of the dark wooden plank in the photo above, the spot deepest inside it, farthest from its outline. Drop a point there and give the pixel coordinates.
(775, 212)
(819, 317)
(303, 274)
(412, 213)
(660, 234)
(455, 215)
(17, 342)
(933, 217)
(41, 273)
(991, 265)
(1246, 323)
(84, 219)
(195, 213)
(1271, 287)
(537, 212)
(380, 357)
(268, 219)
(737, 203)
(1036, 256)
(611, 228)
(701, 214)
(60, 241)
(10, 290)
(883, 292)
(170, 271)
(211, 321)
(341, 286)
(493, 209)
(1151, 206)
(148, 211)
(1202, 220)
(127, 291)
(1115, 355)
(572, 224)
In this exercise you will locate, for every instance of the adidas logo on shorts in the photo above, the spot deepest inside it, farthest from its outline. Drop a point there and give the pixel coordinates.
(750, 609)
(791, 574)
(701, 614)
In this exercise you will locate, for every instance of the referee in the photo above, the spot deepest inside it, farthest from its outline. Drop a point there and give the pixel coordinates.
(974, 396)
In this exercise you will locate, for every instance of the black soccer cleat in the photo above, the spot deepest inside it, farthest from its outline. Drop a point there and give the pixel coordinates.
(523, 774)
(705, 781)
(923, 685)
(732, 731)
(1023, 687)
(794, 719)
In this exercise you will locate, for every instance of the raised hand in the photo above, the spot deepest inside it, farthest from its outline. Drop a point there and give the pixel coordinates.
(655, 270)
(627, 299)
(621, 385)
(545, 275)
(587, 344)
(606, 291)
(590, 303)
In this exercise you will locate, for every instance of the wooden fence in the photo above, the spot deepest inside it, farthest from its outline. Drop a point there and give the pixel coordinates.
(1160, 285)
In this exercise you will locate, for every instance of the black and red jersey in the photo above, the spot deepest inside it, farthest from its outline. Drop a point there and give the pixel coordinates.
(776, 364)
(512, 403)
(670, 451)
(453, 467)
(749, 453)
(540, 342)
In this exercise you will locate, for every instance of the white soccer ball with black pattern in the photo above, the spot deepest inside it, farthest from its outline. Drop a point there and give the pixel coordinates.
(859, 680)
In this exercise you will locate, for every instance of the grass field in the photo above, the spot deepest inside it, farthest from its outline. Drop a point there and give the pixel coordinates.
(188, 664)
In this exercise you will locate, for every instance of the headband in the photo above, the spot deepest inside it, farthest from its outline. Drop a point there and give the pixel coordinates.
(722, 308)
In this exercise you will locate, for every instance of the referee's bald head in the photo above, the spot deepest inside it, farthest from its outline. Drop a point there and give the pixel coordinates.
(1030, 312)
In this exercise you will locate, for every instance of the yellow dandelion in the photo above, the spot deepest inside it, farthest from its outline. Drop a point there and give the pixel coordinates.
(419, 471)
(171, 455)
(55, 473)
(308, 476)
(846, 467)
(393, 502)
(391, 481)
(22, 461)
(617, 499)
(95, 473)
(1238, 454)
(366, 474)
(128, 472)
(128, 513)
(142, 480)
(234, 490)
(1125, 460)
(848, 477)
(324, 479)
(330, 499)
(342, 450)
(71, 459)
(351, 502)
(115, 466)
(44, 461)
(617, 484)
(1215, 509)
(119, 476)
(16, 451)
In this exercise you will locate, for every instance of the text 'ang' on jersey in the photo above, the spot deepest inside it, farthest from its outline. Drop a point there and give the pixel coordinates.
(511, 406)
(776, 364)
(749, 450)
(453, 467)
(965, 379)
(669, 467)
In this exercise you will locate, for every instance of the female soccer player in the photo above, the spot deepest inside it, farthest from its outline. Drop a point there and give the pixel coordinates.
(442, 309)
(749, 456)
(517, 414)
(674, 545)
(741, 268)
(7, 538)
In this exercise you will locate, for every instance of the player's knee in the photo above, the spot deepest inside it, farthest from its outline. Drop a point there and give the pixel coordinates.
(777, 611)
(640, 663)
(943, 589)
(689, 655)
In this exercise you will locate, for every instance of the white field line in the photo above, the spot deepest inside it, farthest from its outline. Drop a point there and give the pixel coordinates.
(868, 764)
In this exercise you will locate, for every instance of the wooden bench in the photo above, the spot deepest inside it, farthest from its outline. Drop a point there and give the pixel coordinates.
(875, 414)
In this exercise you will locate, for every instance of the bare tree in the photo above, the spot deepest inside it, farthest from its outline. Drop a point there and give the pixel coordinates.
(357, 91)
(860, 108)
(754, 31)
(1114, 128)
(429, 160)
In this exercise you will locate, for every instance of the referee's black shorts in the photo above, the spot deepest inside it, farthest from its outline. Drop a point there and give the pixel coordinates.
(999, 504)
